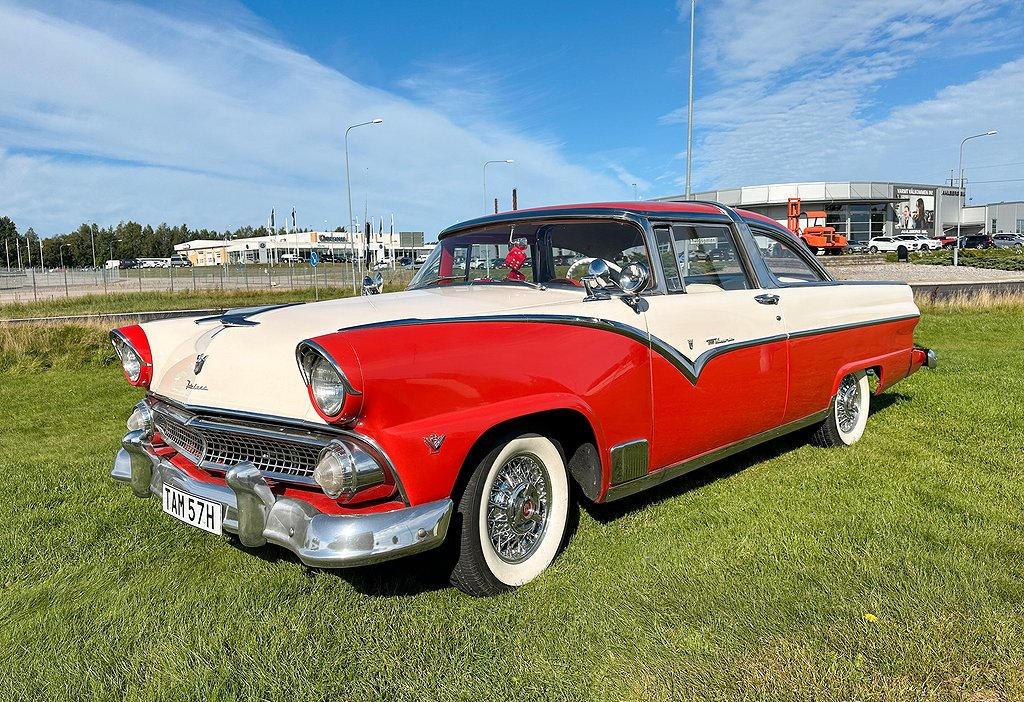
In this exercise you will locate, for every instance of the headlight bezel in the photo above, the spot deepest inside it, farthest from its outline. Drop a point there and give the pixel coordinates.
(314, 360)
(132, 349)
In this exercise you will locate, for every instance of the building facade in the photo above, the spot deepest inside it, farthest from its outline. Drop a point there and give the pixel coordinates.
(857, 210)
(294, 246)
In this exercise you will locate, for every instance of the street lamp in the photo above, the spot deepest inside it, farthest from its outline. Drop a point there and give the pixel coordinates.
(485, 178)
(348, 183)
(960, 212)
(61, 251)
(92, 236)
(689, 105)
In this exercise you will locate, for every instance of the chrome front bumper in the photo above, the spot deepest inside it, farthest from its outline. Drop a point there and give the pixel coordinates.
(258, 516)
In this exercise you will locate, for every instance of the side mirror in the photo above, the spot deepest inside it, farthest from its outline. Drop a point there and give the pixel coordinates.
(374, 285)
(634, 278)
(596, 279)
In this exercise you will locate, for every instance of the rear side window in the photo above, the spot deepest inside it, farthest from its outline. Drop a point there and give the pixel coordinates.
(707, 259)
(785, 259)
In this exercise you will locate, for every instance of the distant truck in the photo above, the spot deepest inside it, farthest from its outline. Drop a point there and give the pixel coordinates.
(818, 237)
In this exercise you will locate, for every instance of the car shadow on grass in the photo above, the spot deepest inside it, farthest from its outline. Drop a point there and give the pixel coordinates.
(610, 511)
(428, 571)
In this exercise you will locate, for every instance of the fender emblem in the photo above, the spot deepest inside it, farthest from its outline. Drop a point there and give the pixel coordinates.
(200, 360)
(434, 442)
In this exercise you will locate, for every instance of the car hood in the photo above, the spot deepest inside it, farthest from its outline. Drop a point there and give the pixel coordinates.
(244, 361)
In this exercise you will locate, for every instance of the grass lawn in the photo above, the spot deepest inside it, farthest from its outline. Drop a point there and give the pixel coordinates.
(750, 579)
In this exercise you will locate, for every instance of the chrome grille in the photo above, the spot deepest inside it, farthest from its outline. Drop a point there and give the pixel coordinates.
(212, 445)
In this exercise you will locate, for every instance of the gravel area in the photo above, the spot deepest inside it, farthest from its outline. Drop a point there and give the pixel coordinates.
(917, 273)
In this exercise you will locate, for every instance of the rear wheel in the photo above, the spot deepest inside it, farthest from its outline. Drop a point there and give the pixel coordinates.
(848, 413)
(514, 511)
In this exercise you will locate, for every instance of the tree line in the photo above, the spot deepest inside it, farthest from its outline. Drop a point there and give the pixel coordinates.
(125, 240)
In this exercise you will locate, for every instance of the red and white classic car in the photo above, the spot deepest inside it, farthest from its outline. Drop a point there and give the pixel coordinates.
(619, 345)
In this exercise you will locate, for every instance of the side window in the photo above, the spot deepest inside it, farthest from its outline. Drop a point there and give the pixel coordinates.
(707, 258)
(663, 237)
(784, 260)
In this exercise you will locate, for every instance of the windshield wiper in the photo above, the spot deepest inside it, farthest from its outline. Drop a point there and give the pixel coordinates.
(535, 286)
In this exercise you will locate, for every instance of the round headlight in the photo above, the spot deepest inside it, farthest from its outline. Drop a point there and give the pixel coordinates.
(131, 362)
(328, 387)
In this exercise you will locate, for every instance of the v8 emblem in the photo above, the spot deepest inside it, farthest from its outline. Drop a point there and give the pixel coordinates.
(434, 442)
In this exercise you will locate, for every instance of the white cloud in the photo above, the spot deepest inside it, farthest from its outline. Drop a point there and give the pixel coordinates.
(795, 92)
(130, 113)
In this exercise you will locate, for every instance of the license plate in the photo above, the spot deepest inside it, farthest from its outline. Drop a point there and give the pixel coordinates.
(204, 514)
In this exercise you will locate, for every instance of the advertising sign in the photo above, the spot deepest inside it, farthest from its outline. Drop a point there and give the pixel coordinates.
(915, 211)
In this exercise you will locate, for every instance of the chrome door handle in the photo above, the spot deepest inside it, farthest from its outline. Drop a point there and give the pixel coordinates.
(767, 299)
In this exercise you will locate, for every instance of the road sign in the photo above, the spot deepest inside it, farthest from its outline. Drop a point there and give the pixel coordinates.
(313, 258)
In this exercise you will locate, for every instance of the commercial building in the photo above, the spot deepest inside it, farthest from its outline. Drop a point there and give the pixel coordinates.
(862, 210)
(292, 246)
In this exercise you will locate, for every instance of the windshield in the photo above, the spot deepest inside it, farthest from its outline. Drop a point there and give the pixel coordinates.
(546, 252)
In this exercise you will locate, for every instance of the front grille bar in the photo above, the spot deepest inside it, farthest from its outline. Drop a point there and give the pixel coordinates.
(216, 445)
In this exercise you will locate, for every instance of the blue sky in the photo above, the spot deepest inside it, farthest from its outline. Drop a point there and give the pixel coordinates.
(212, 113)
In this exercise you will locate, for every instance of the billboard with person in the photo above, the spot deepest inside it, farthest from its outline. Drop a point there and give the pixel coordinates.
(915, 210)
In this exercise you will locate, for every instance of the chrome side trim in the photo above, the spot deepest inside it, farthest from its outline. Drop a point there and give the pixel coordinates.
(852, 325)
(629, 461)
(253, 512)
(690, 369)
(616, 492)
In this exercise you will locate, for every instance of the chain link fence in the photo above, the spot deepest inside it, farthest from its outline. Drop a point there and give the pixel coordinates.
(34, 284)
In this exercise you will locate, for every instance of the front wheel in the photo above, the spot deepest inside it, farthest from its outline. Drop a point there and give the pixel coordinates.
(514, 514)
(848, 412)
(873, 249)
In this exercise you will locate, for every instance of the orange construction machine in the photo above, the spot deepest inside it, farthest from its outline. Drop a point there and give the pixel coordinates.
(817, 236)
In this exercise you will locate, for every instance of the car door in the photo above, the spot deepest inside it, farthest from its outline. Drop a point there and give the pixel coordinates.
(719, 355)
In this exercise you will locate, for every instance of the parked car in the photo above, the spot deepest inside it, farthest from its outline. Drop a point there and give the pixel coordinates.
(405, 262)
(292, 258)
(917, 242)
(358, 430)
(180, 260)
(1008, 240)
(975, 241)
(886, 243)
(856, 247)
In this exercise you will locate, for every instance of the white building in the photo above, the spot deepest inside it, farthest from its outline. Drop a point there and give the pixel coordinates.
(282, 248)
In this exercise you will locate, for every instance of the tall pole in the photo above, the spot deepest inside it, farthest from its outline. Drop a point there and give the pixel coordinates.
(92, 235)
(635, 198)
(689, 105)
(42, 264)
(485, 178)
(348, 183)
(963, 194)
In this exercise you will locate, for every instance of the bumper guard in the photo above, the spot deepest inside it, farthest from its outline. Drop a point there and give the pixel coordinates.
(258, 516)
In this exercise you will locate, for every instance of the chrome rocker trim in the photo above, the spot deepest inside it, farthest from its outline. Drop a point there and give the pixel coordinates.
(257, 516)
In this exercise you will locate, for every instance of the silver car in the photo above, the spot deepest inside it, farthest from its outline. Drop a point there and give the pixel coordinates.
(1008, 240)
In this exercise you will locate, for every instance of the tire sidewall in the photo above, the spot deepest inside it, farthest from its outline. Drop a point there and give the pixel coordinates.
(850, 437)
(547, 453)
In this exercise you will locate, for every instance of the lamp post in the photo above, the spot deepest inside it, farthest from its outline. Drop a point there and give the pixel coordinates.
(348, 183)
(486, 163)
(960, 211)
(635, 197)
(689, 105)
(92, 237)
(61, 251)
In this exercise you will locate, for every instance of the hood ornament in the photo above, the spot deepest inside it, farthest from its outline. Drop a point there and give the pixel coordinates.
(200, 360)
(434, 442)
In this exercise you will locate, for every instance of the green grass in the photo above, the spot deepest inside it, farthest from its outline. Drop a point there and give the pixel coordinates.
(747, 580)
(154, 301)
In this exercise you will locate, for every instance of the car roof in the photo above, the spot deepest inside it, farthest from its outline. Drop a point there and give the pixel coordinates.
(645, 209)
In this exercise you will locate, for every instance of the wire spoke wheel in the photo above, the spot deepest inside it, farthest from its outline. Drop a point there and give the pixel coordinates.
(848, 404)
(518, 508)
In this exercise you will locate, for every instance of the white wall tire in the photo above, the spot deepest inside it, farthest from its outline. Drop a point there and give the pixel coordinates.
(514, 512)
(847, 413)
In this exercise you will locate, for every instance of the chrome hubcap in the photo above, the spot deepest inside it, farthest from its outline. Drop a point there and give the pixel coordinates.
(848, 404)
(517, 508)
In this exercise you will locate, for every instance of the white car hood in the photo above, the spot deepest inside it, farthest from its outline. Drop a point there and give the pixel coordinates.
(252, 368)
